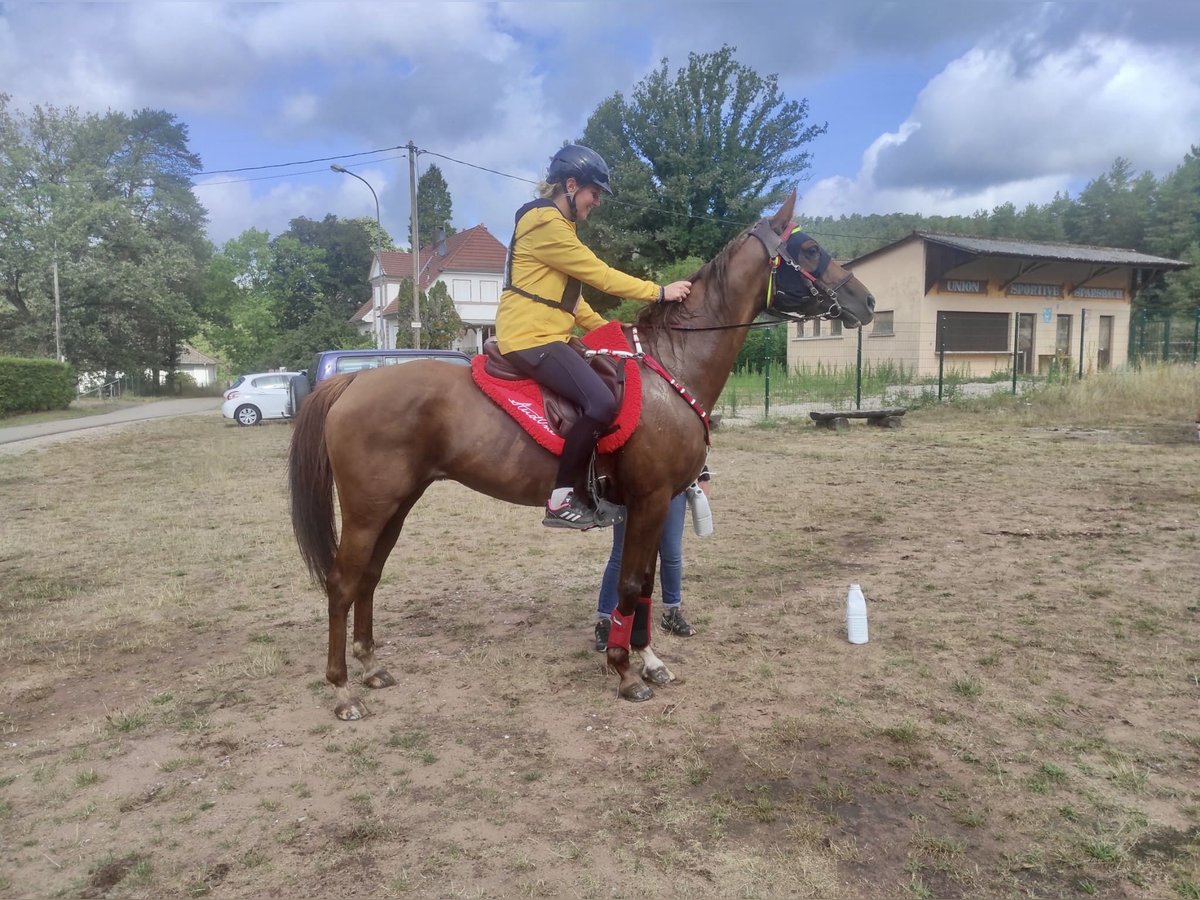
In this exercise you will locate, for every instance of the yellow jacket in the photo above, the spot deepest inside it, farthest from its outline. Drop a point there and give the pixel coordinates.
(547, 259)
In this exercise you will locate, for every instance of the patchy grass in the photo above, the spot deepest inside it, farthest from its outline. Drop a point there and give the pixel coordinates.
(1020, 724)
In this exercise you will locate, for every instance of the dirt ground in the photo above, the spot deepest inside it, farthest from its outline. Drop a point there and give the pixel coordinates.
(1023, 722)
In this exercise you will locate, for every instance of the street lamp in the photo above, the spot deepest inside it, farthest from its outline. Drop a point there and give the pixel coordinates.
(375, 302)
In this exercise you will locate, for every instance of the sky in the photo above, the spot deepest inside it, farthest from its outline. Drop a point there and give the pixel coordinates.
(932, 106)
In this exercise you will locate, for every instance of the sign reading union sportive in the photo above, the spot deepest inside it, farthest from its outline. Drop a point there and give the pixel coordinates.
(1032, 289)
(961, 286)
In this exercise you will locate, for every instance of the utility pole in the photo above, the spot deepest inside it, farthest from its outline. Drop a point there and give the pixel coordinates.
(416, 246)
(57, 313)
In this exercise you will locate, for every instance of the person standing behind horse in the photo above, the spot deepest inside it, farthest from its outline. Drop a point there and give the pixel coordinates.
(542, 301)
(670, 571)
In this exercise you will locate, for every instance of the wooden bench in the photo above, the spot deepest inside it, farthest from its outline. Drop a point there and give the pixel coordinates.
(883, 418)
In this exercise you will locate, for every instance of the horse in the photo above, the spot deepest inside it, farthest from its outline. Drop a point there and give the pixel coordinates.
(383, 436)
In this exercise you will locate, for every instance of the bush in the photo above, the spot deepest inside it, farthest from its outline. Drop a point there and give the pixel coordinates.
(33, 385)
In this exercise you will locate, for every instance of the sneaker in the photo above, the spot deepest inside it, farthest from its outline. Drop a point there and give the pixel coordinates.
(572, 514)
(674, 622)
(603, 627)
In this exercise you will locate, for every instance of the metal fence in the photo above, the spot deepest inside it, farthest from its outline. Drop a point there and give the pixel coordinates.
(1158, 337)
(793, 372)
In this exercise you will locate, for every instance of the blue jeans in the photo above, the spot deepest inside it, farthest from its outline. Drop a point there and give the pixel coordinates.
(670, 561)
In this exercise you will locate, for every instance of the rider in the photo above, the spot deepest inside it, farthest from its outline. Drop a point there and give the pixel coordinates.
(542, 301)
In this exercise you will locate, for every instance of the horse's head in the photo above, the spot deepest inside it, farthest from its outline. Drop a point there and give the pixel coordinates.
(808, 281)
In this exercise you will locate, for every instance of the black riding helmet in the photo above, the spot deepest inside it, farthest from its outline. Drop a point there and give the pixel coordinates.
(583, 164)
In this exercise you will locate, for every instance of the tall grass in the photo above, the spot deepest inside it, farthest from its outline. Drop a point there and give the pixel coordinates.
(1164, 393)
(1157, 391)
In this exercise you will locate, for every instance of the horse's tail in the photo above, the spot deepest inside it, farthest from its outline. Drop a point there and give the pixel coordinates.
(310, 481)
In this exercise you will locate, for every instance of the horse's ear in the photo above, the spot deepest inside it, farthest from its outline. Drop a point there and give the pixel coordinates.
(780, 220)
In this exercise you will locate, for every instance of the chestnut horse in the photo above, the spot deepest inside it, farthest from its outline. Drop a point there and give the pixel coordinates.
(383, 436)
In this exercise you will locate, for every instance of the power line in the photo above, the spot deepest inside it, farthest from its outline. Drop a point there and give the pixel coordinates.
(470, 165)
(300, 162)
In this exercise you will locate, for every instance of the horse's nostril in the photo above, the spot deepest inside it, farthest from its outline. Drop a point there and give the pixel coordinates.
(870, 301)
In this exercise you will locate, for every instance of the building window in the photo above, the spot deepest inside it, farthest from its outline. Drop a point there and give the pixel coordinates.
(966, 332)
(461, 290)
(812, 328)
(489, 291)
(882, 326)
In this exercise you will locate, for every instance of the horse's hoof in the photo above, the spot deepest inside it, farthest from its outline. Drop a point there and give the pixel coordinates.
(380, 679)
(638, 693)
(659, 676)
(350, 712)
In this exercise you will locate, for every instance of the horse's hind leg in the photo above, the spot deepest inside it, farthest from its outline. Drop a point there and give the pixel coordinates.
(363, 648)
(362, 552)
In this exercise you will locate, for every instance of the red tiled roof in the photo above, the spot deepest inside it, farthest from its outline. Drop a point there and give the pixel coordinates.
(473, 250)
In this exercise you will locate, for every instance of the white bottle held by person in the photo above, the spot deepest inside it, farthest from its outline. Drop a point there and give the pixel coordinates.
(856, 615)
(702, 520)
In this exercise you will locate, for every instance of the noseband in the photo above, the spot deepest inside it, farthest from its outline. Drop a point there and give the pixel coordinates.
(777, 252)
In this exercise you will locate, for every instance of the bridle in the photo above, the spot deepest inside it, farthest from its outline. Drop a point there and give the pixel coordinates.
(776, 246)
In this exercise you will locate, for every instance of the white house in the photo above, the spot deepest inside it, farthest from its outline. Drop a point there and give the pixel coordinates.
(200, 366)
(470, 264)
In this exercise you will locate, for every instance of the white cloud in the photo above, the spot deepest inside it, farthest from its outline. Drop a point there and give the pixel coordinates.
(502, 85)
(995, 127)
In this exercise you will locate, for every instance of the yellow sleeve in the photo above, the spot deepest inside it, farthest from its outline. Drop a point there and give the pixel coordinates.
(560, 249)
(587, 318)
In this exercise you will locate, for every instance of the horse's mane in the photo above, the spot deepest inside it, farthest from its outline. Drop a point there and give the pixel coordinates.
(715, 276)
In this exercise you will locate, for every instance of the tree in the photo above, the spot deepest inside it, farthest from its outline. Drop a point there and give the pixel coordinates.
(695, 158)
(1175, 224)
(434, 206)
(1114, 209)
(108, 198)
(440, 323)
(341, 261)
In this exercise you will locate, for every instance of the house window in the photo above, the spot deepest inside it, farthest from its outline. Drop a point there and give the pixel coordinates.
(461, 290)
(489, 291)
(882, 326)
(835, 327)
(966, 332)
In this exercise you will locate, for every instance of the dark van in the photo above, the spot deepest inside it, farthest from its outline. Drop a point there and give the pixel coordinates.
(335, 362)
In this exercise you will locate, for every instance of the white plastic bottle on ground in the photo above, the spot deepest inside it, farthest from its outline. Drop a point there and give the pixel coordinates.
(702, 520)
(856, 615)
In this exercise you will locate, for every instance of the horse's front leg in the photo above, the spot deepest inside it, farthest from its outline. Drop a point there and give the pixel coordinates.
(631, 619)
(654, 669)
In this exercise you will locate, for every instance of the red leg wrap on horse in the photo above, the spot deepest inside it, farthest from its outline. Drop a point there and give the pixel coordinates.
(621, 631)
(641, 623)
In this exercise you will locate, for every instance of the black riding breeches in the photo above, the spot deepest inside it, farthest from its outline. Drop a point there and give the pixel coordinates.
(558, 367)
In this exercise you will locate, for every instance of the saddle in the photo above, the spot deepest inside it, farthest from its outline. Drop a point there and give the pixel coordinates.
(545, 416)
(560, 412)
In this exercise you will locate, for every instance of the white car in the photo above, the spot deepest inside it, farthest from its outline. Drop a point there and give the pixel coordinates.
(253, 398)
